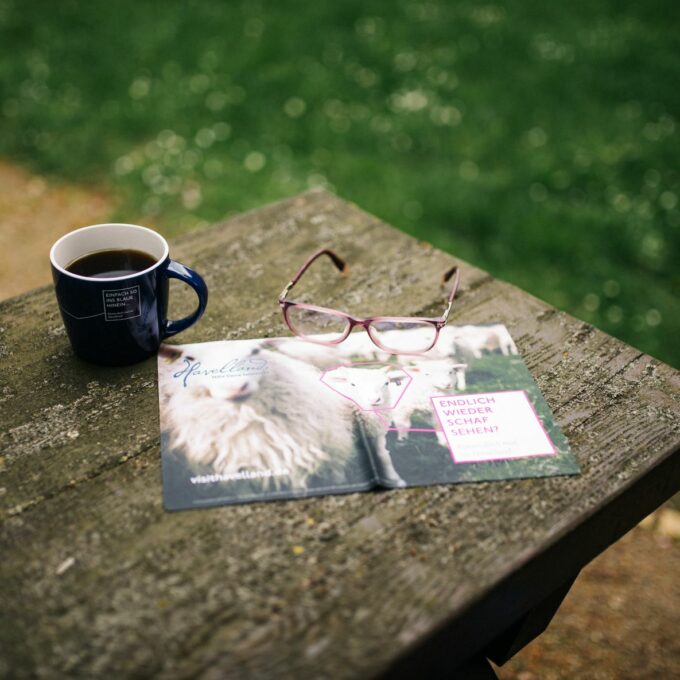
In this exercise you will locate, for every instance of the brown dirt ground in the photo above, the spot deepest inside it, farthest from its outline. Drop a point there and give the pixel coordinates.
(621, 619)
(33, 214)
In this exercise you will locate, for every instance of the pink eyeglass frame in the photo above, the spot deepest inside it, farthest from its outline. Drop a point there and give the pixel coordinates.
(352, 321)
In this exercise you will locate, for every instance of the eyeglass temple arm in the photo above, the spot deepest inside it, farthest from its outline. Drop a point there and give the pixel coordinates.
(337, 261)
(455, 273)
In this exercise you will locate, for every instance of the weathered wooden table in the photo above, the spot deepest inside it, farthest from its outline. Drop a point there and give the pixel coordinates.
(96, 580)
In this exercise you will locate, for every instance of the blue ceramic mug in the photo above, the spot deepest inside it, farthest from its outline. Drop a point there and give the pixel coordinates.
(119, 320)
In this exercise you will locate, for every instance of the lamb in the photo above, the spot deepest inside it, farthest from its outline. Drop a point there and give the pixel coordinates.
(257, 417)
(430, 378)
(369, 387)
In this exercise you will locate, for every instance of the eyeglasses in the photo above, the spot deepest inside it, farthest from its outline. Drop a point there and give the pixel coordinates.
(393, 334)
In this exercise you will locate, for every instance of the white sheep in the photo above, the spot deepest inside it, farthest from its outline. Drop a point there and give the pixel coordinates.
(370, 386)
(474, 341)
(268, 412)
(357, 345)
(505, 341)
(430, 377)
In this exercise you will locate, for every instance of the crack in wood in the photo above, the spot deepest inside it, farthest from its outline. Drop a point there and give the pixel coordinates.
(76, 483)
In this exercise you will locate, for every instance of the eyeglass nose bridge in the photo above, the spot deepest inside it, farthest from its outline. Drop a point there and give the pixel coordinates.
(357, 322)
(364, 323)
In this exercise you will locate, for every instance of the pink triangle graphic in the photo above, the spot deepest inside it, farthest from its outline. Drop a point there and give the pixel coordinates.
(370, 385)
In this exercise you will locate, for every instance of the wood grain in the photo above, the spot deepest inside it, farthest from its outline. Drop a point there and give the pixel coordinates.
(96, 580)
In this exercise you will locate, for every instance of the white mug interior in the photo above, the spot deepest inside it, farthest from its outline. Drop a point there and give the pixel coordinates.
(98, 237)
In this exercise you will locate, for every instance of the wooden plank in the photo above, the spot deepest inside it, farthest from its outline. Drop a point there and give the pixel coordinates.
(96, 579)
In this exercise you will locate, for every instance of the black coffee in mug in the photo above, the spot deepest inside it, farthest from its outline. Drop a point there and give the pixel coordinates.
(111, 263)
(111, 282)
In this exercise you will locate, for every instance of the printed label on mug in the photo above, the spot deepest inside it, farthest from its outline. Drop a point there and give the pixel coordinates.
(121, 304)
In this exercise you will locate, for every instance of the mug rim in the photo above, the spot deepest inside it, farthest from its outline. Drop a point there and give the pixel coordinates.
(62, 270)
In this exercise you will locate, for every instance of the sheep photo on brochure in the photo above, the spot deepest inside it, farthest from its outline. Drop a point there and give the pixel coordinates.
(277, 418)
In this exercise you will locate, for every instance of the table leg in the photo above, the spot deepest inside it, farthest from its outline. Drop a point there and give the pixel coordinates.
(528, 627)
(477, 668)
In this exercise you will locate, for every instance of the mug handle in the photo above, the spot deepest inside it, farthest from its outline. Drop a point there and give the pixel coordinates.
(175, 270)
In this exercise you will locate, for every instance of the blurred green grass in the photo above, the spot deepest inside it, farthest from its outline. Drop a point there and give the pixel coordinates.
(537, 140)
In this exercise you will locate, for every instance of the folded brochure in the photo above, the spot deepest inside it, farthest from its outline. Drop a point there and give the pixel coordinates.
(278, 418)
